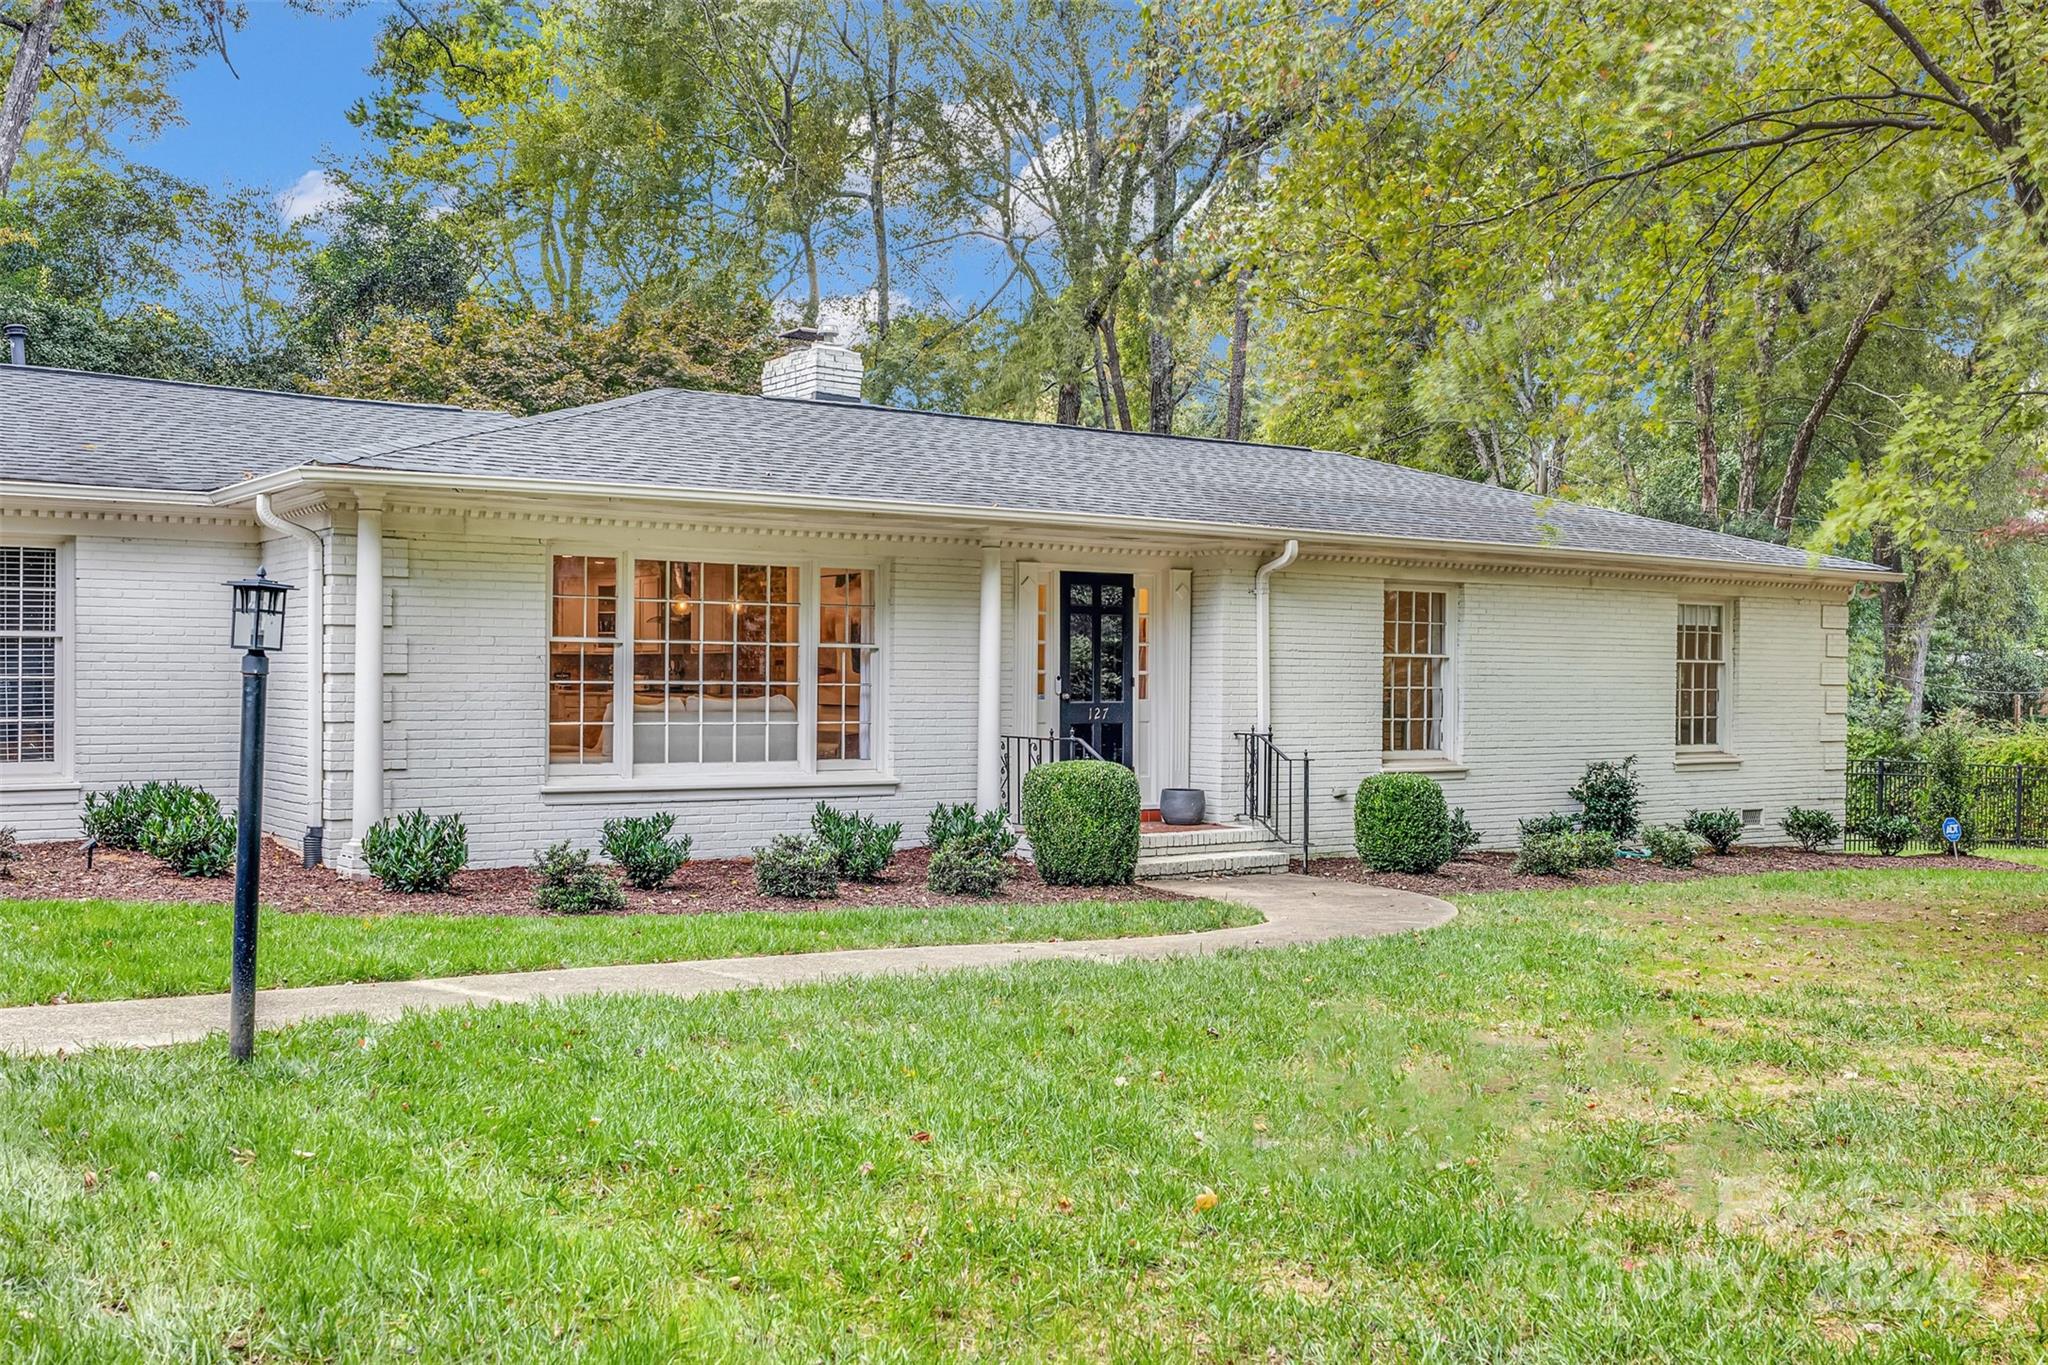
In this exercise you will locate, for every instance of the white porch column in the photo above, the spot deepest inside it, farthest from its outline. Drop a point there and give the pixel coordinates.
(988, 692)
(366, 782)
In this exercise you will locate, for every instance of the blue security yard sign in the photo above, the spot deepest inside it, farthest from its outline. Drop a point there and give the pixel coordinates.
(1952, 830)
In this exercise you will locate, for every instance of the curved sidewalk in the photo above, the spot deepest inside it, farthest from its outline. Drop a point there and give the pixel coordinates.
(1298, 909)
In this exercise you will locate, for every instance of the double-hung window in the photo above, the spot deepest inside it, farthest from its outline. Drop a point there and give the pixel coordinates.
(30, 643)
(1702, 661)
(1415, 659)
(701, 664)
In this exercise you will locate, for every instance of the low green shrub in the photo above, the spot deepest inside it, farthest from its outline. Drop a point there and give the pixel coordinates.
(186, 827)
(1598, 848)
(1400, 823)
(416, 853)
(1720, 827)
(569, 885)
(1813, 829)
(1464, 838)
(646, 848)
(861, 846)
(1560, 855)
(953, 823)
(1890, 833)
(1610, 797)
(1548, 855)
(967, 867)
(2021, 744)
(796, 868)
(116, 818)
(10, 850)
(1672, 845)
(1081, 816)
(1538, 825)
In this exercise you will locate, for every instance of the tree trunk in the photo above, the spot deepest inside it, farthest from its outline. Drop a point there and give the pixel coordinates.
(1703, 378)
(1116, 375)
(1067, 409)
(1240, 343)
(1749, 456)
(18, 104)
(1802, 444)
(1160, 397)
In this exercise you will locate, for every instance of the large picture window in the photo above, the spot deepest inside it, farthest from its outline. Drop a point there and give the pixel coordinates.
(1416, 650)
(28, 654)
(1702, 655)
(716, 661)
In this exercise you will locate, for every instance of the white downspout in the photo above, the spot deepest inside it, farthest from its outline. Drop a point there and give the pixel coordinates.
(315, 598)
(1264, 593)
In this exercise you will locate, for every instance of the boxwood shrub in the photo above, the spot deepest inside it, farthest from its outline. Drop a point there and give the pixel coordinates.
(966, 867)
(796, 868)
(1081, 816)
(416, 853)
(1671, 845)
(1891, 833)
(1720, 828)
(1814, 829)
(861, 845)
(1401, 824)
(646, 848)
(569, 885)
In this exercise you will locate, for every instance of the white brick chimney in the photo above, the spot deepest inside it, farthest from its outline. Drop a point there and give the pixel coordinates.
(819, 368)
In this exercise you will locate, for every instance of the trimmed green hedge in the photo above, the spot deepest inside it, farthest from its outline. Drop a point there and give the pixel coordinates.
(1081, 816)
(1400, 823)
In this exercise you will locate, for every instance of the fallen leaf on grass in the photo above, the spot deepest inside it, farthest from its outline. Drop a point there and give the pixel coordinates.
(1205, 1201)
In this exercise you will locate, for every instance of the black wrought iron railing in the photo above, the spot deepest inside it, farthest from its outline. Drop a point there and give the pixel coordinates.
(1022, 753)
(1276, 791)
(2008, 802)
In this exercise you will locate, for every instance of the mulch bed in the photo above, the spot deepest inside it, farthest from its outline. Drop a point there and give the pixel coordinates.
(1480, 872)
(56, 871)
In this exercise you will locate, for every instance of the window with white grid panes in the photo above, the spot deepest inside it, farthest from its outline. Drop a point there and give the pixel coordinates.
(715, 662)
(1415, 654)
(28, 654)
(847, 650)
(583, 635)
(1702, 658)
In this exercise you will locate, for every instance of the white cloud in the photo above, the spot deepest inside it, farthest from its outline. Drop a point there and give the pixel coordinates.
(310, 195)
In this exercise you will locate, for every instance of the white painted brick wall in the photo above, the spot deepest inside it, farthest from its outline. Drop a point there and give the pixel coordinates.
(465, 730)
(1554, 673)
(157, 689)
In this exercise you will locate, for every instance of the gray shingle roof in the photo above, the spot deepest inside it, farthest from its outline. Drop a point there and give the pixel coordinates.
(60, 426)
(733, 443)
(71, 427)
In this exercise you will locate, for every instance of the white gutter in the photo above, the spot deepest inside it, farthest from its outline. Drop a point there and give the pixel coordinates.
(1264, 592)
(316, 651)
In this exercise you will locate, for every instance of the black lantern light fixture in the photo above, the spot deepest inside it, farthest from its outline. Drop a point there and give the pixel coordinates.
(258, 625)
(258, 620)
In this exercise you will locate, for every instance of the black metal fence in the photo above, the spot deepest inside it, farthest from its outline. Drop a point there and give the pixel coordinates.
(2007, 801)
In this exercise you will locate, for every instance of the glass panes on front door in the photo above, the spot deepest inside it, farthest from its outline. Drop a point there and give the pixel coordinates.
(715, 668)
(1095, 688)
(28, 654)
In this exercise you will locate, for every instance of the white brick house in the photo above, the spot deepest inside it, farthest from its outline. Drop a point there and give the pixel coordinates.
(733, 607)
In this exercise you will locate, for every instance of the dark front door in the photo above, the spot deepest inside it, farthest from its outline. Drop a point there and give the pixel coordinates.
(1095, 686)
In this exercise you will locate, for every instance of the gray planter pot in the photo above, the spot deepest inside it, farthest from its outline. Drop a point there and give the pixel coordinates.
(1181, 806)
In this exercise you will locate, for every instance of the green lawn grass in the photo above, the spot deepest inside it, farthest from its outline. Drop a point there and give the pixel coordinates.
(1801, 1116)
(108, 950)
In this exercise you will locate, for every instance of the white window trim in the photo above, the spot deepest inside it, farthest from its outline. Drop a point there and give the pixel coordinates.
(1722, 753)
(1447, 760)
(57, 776)
(808, 773)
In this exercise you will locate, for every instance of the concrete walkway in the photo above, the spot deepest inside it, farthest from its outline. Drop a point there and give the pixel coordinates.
(1298, 909)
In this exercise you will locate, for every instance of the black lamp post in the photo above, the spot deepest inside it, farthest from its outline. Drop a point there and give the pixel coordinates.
(258, 626)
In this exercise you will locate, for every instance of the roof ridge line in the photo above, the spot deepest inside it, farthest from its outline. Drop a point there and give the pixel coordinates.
(353, 454)
(246, 388)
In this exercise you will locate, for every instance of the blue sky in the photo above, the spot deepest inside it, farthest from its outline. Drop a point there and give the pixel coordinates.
(299, 74)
